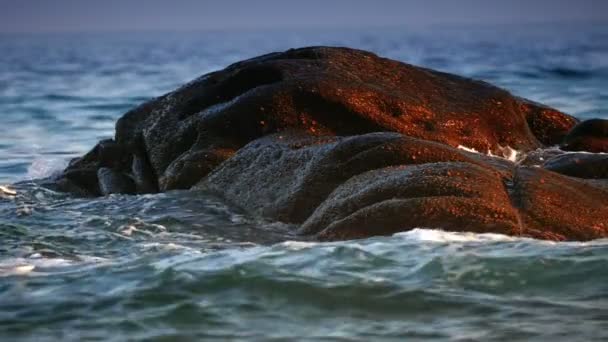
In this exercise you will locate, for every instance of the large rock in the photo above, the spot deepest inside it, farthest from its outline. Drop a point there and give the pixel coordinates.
(294, 136)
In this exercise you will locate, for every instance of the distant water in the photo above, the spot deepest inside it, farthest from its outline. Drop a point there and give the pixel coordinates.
(184, 266)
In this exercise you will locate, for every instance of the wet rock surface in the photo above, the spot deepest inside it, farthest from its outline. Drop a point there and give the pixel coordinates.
(346, 144)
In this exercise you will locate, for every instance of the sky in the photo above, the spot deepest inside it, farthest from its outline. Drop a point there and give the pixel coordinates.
(126, 15)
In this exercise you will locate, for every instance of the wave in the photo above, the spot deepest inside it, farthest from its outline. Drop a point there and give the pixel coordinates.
(43, 167)
(38, 265)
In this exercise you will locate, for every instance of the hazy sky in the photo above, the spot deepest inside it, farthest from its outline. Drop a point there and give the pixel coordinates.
(104, 15)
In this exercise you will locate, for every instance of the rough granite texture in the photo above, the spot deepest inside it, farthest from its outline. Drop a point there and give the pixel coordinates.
(347, 144)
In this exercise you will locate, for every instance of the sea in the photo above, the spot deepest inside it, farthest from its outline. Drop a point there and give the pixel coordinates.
(185, 266)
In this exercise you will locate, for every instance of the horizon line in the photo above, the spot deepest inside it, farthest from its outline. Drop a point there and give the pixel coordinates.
(417, 26)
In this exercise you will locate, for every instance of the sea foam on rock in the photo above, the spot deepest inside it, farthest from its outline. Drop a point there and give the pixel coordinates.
(347, 144)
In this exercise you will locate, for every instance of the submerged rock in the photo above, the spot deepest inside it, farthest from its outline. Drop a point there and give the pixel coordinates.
(348, 145)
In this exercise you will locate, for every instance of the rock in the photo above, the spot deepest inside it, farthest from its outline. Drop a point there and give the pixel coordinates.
(557, 207)
(590, 135)
(456, 196)
(325, 91)
(539, 156)
(287, 176)
(347, 144)
(142, 174)
(113, 182)
(582, 165)
(382, 183)
(548, 125)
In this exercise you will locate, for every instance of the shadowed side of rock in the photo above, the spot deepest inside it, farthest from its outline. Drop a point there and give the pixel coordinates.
(590, 136)
(581, 165)
(287, 176)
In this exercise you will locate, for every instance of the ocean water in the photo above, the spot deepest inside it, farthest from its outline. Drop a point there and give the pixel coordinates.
(185, 266)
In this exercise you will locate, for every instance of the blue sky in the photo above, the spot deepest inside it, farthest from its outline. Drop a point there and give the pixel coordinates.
(111, 15)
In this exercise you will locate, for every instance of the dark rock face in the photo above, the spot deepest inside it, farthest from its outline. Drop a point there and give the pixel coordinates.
(590, 135)
(582, 165)
(347, 145)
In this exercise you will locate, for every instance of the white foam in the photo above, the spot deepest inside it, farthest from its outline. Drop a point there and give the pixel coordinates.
(507, 152)
(170, 246)
(436, 235)
(6, 192)
(468, 149)
(141, 227)
(20, 270)
(45, 167)
(38, 265)
(422, 235)
(24, 266)
(441, 236)
(298, 245)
